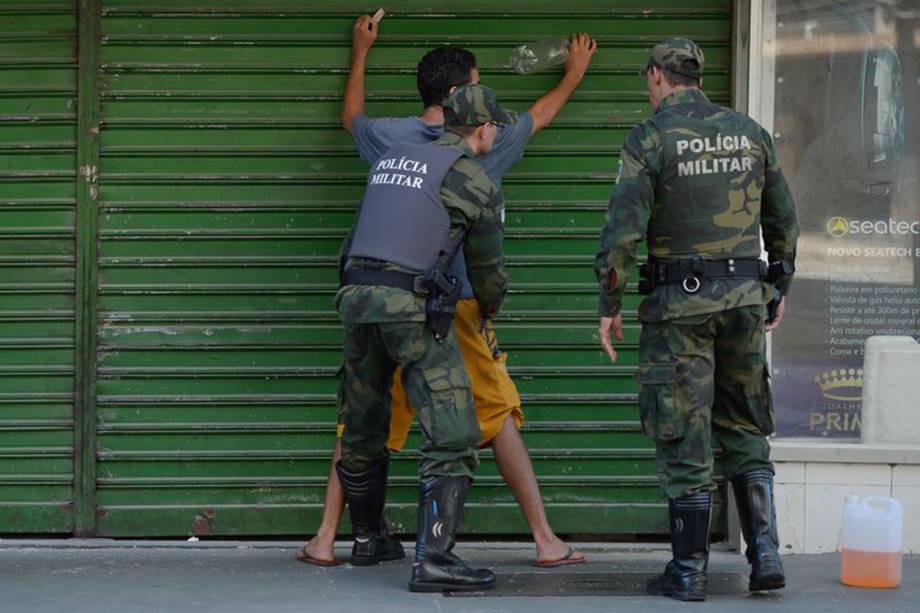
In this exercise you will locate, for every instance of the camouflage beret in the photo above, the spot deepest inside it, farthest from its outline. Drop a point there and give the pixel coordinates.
(678, 55)
(473, 105)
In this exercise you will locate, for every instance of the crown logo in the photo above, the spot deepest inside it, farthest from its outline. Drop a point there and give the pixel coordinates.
(841, 384)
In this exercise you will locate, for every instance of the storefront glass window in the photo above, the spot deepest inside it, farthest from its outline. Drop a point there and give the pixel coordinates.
(843, 78)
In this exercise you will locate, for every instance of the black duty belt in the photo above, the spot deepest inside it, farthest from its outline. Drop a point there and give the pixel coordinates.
(388, 278)
(691, 272)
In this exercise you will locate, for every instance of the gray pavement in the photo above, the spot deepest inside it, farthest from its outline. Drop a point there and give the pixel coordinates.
(101, 575)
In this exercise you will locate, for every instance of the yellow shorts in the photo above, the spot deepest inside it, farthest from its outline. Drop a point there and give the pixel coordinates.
(494, 393)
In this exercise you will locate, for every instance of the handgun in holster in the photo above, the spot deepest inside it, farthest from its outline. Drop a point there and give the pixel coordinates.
(776, 273)
(443, 291)
(441, 305)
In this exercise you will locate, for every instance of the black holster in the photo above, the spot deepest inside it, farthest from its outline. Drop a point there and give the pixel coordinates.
(646, 279)
(441, 304)
(773, 308)
(778, 271)
(443, 290)
(776, 274)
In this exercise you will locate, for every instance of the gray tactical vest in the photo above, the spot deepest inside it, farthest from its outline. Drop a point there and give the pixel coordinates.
(402, 219)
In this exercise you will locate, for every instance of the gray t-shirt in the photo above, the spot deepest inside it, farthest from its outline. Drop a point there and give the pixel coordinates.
(375, 136)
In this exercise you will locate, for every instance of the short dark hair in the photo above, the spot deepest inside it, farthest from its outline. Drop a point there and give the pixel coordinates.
(441, 69)
(678, 80)
(675, 79)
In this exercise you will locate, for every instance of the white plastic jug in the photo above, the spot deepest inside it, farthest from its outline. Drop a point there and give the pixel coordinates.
(871, 542)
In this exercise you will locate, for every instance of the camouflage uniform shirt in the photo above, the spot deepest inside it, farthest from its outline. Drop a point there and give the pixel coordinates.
(474, 204)
(695, 179)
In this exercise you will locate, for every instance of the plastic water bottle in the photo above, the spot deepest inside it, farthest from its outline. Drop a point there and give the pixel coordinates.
(540, 55)
(871, 542)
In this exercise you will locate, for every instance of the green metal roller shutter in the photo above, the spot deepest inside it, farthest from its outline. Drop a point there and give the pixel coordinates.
(226, 185)
(38, 70)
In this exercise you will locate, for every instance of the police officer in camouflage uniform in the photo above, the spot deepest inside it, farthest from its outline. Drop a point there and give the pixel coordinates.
(421, 201)
(701, 184)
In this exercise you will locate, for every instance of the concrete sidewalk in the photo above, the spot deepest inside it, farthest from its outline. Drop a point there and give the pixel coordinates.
(101, 575)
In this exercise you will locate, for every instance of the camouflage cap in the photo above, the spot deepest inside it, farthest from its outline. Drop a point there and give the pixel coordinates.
(678, 55)
(473, 105)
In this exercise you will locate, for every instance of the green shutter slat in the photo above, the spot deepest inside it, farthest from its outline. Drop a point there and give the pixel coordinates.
(637, 8)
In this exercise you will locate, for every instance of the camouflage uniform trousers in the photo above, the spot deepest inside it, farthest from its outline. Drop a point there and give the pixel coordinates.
(436, 383)
(703, 377)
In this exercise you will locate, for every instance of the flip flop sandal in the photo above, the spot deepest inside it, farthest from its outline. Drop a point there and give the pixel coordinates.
(570, 557)
(302, 555)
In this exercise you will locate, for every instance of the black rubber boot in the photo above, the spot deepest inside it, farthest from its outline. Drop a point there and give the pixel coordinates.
(757, 511)
(366, 494)
(436, 568)
(684, 577)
